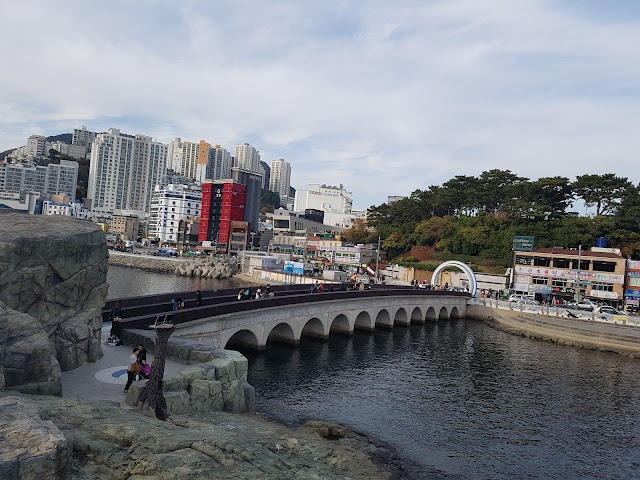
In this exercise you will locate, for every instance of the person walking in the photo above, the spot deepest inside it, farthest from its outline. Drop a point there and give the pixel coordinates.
(174, 304)
(267, 290)
(133, 369)
(142, 360)
(198, 298)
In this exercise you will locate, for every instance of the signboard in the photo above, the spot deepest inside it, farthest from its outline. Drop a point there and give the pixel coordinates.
(585, 276)
(632, 293)
(633, 274)
(293, 267)
(633, 264)
(523, 244)
(602, 294)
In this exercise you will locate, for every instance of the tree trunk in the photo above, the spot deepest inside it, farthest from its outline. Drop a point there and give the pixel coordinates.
(152, 394)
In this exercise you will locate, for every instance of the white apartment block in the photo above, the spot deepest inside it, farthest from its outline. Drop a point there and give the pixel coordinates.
(280, 180)
(170, 205)
(123, 170)
(53, 179)
(83, 137)
(247, 158)
(174, 154)
(76, 151)
(324, 197)
(71, 209)
(184, 157)
(36, 146)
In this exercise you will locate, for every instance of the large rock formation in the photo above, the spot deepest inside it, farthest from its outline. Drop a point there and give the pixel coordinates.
(32, 447)
(53, 271)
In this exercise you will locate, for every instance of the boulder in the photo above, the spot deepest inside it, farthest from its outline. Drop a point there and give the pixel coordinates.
(32, 447)
(53, 269)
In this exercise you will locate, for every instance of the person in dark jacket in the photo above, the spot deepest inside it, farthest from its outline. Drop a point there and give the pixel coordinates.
(116, 311)
(198, 298)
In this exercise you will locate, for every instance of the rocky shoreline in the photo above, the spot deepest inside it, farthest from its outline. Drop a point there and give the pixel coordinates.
(145, 262)
(100, 440)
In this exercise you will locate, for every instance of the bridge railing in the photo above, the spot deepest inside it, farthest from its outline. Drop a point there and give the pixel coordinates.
(239, 306)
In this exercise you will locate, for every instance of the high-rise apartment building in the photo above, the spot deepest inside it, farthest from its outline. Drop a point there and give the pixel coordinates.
(265, 170)
(217, 165)
(123, 170)
(82, 136)
(247, 158)
(53, 179)
(280, 180)
(174, 154)
(36, 146)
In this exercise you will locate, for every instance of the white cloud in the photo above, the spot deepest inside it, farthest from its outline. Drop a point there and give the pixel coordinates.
(384, 97)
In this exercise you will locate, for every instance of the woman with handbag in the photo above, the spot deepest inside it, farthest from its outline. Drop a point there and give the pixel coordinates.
(134, 368)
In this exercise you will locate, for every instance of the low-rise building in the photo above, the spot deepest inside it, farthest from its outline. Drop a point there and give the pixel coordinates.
(632, 285)
(71, 209)
(565, 274)
(25, 202)
(127, 227)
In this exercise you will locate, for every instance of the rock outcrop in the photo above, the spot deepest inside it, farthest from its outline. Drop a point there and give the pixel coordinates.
(108, 442)
(31, 446)
(216, 267)
(53, 270)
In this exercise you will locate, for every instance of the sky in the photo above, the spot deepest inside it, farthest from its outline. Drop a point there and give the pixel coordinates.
(382, 97)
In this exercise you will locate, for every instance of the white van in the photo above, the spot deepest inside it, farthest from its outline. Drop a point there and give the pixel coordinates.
(517, 297)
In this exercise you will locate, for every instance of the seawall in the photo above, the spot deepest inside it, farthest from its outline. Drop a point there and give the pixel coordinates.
(621, 339)
(145, 262)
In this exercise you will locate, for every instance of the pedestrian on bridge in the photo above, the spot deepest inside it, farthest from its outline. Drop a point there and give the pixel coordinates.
(198, 298)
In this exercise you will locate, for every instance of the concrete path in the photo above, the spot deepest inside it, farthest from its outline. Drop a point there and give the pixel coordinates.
(105, 379)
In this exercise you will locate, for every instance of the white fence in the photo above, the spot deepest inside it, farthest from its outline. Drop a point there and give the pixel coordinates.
(557, 311)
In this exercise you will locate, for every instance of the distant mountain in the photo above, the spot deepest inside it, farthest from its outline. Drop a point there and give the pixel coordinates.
(63, 137)
(4, 154)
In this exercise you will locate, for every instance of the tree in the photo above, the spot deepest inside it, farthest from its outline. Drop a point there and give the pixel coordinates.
(359, 232)
(605, 192)
(428, 232)
(269, 200)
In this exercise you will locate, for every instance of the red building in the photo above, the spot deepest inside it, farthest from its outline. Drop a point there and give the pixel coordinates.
(223, 202)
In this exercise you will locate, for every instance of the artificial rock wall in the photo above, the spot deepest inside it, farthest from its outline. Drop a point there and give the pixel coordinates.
(52, 287)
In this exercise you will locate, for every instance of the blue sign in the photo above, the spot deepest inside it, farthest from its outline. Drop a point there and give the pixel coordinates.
(293, 267)
(632, 293)
(633, 274)
(523, 244)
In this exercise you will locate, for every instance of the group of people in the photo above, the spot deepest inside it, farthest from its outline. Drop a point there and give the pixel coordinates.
(138, 367)
(246, 294)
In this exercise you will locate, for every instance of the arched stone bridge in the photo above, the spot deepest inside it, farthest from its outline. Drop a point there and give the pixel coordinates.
(313, 316)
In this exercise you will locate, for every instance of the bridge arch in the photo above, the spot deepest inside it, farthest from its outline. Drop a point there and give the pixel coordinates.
(454, 313)
(364, 322)
(431, 314)
(313, 328)
(401, 318)
(416, 316)
(281, 333)
(473, 284)
(340, 324)
(243, 339)
(383, 319)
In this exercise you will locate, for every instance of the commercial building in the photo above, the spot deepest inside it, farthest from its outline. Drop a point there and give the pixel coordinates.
(127, 227)
(247, 158)
(280, 180)
(51, 179)
(170, 206)
(563, 274)
(265, 170)
(324, 197)
(223, 202)
(24, 202)
(124, 170)
(632, 285)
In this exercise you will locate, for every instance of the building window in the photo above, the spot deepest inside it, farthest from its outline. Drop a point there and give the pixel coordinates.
(604, 266)
(602, 287)
(520, 260)
(539, 281)
(584, 264)
(558, 282)
(561, 263)
(541, 262)
(634, 281)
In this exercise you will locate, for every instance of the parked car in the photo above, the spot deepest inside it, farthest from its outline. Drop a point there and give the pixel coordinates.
(517, 297)
(609, 310)
(585, 304)
(526, 302)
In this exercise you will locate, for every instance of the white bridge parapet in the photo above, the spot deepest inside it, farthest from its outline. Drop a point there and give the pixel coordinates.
(288, 323)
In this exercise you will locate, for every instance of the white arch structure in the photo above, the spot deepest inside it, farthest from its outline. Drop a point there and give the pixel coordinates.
(473, 284)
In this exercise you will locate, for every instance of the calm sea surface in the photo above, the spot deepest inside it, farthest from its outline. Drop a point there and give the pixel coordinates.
(459, 400)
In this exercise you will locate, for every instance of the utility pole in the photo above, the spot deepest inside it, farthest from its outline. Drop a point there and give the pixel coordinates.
(578, 279)
(378, 259)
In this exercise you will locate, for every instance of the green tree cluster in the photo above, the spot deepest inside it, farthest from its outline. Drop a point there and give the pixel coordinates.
(479, 216)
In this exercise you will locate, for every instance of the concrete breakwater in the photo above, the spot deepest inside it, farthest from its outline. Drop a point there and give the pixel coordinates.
(145, 262)
(621, 339)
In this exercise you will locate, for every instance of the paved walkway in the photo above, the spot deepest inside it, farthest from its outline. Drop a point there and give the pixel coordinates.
(106, 378)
